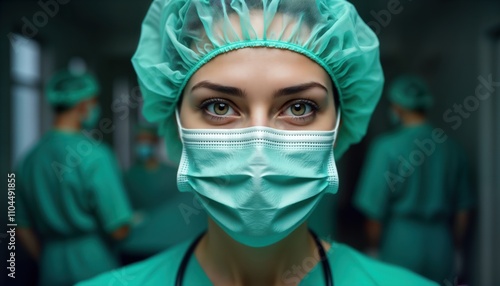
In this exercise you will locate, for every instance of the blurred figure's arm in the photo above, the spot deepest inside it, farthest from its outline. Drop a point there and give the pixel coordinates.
(120, 233)
(373, 192)
(29, 240)
(373, 230)
(465, 201)
(461, 224)
(107, 194)
(460, 229)
(24, 230)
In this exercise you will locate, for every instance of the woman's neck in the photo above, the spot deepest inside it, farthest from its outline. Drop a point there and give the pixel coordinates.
(227, 262)
(68, 121)
(151, 164)
(413, 118)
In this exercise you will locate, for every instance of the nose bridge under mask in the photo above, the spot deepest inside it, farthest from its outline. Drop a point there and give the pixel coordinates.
(259, 117)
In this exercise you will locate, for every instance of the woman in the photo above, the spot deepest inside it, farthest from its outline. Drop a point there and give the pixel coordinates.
(258, 89)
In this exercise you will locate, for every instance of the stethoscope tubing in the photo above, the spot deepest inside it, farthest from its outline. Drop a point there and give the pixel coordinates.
(189, 252)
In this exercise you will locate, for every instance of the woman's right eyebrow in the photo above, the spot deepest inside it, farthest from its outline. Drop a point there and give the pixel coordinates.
(229, 90)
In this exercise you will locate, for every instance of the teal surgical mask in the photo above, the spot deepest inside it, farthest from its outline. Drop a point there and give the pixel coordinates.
(258, 183)
(144, 151)
(92, 118)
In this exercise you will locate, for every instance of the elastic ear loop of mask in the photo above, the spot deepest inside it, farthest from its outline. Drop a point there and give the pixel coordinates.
(337, 124)
(335, 130)
(179, 127)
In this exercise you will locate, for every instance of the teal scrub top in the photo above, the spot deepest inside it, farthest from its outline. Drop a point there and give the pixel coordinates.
(174, 221)
(149, 188)
(164, 216)
(348, 266)
(70, 191)
(414, 181)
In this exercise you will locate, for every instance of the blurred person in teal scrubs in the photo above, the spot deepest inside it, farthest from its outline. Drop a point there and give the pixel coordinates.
(163, 216)
(71, 203)
(148, 180)
(414, 187)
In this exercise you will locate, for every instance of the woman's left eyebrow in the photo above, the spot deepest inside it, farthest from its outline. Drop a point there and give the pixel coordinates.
(298, 88)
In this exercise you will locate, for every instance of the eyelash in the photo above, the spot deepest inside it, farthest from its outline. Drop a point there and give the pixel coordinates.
(203, 107)
(312, 104)
(314, 108)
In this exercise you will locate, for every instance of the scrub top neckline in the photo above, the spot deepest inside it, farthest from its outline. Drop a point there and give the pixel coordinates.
(64, 131)
(416, 126)
(412, 128)
(197, 274)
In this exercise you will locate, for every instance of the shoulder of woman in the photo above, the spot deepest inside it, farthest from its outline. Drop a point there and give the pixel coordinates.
(160, 269)
(350, 267)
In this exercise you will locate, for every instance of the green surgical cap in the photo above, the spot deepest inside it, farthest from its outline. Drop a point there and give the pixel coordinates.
(410, 92)
(68, 89)
(179, 36)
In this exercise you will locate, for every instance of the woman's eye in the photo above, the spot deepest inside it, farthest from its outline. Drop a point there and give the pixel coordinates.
(299, 109)
(220, 109)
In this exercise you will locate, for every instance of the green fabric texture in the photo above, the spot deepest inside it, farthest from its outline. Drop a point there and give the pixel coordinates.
(396, 182)
(416, 197)
(166, 216)
(68, 89)
(149, 188)
(178, 37)
(70, 192)
(348, 268)
(411, 92)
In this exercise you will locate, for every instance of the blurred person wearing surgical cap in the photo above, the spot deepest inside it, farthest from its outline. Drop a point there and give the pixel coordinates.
(70, 193)
(163, 216)
(249, 97)
(414, 187)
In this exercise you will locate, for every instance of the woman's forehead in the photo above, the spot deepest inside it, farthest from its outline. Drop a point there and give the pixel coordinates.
(270, 66)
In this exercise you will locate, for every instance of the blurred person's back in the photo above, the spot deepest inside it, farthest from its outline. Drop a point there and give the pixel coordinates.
(69, 191)
(414, 188)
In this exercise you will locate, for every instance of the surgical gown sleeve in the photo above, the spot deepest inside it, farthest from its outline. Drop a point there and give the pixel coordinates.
(373, 190)
(106, 192)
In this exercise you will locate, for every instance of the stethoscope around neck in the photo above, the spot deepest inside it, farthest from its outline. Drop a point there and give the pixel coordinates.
(327, 271)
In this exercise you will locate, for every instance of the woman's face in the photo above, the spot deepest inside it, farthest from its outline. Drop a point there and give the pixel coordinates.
(259, 87)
